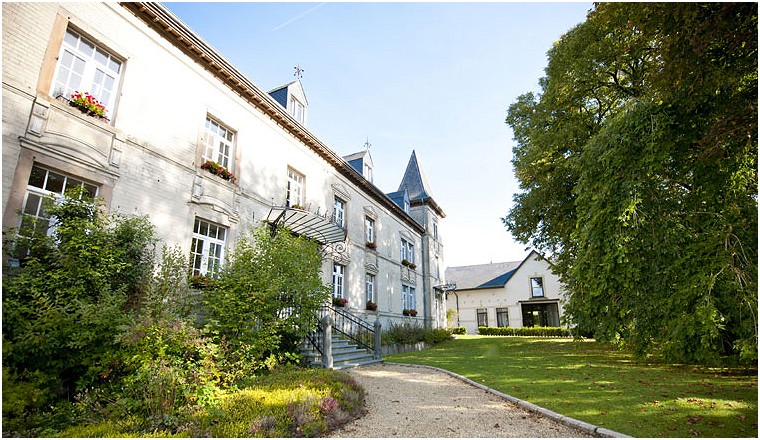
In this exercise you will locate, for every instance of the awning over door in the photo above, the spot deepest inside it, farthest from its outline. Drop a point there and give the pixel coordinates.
(321, 229)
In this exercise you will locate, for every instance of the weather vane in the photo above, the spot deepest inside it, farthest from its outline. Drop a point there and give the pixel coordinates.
(299, 71)
(367, 145)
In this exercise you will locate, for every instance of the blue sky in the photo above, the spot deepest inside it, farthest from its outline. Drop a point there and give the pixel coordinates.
(436, 78)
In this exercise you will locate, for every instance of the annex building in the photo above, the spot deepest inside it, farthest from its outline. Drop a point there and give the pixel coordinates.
(192, 143)
(512, 294)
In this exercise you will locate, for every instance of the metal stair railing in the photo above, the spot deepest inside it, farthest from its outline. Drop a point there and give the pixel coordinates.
(355, 329)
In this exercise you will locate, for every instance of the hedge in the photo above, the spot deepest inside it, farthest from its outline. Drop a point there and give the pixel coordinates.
(459, 330)
(546, 332)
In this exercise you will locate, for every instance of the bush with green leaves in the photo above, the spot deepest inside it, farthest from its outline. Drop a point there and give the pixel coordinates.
(66, 304)
(546, 332)
(412, 333)
(459, 331)
(265, 299)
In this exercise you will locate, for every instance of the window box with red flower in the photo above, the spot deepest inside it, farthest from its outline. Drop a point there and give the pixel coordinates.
(88, 104)
(371, 306)
(409, 312)
(371, 245)
(408, 264)
(340, 302)
(218, 170)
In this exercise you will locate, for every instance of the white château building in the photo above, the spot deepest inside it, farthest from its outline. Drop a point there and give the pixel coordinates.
(190, 141)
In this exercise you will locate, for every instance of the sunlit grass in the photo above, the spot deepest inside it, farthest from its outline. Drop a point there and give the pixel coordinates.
(595, 383)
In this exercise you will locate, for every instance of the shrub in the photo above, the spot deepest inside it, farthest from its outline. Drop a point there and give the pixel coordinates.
(549, 332)
(411, 333)
(459, 331)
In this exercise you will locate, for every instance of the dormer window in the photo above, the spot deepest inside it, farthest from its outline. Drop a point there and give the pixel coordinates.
(368, 172)
(297, 109)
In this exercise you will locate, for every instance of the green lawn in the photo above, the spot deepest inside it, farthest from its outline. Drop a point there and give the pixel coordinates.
(592, 382)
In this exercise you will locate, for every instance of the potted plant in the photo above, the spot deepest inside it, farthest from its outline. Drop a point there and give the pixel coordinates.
(218, 170)
(371, 245)
(88, 104)
(409, 312)
(340, 302)
(371, 306)
(408, 264)
(296, 206)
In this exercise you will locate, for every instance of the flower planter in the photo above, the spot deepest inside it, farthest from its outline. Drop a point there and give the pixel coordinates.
(340, 302)
(371, 245)
(371, 306)
(409, 312)
(218, 170)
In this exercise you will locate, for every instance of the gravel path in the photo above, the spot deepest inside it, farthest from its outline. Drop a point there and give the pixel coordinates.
(407, 401)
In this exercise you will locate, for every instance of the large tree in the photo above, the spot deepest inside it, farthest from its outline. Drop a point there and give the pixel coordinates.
(638, 168)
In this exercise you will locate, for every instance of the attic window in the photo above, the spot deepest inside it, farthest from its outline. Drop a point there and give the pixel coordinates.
(297, 109)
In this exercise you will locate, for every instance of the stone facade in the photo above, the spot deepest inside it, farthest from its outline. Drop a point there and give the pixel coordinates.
(146, 159)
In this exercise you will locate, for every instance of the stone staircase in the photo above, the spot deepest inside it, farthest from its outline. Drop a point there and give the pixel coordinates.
(345, 355)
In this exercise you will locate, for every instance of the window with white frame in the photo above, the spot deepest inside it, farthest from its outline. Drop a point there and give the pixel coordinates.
(407, 250)
(295, 188)
(502, 317)
(297, 109)
(408, 297)
(339, 275)
(83, 67)
(339, 212)
(207, 250)
(368, 172)
(482, 318)
(370, 287)
(43, 183)
(537, 287)
(369, 230)
(218, 143)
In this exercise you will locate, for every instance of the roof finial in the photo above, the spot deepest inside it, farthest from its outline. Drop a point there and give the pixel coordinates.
(367, 145)
(299, 71)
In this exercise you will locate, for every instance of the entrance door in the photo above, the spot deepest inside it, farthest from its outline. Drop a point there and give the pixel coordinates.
(540, 315)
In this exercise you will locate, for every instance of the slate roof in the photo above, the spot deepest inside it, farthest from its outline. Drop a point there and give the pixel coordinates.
(415, 180)
(482, 276)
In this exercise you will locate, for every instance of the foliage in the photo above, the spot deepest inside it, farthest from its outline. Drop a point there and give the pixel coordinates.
(412, 333)
(459, 331)
(595, 383)
(63, 309)
(265, 299)
(638, 166)
(291, 402)
(546, 332)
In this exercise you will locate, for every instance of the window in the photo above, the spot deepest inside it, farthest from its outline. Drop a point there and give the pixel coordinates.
(297, 109)
(295, 188)
(408, 299)
(482, 318)
(207, 250)
(218, 143)
(407, 250)
(502, 317)
(43, 183)
(370, 287)
(537, 286)
(369, 230)
(339, 272)
(368, 172)
(435, 230)
(84, 67)
(339, 212)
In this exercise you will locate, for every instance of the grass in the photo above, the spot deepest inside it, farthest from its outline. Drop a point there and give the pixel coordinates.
(595, 383)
